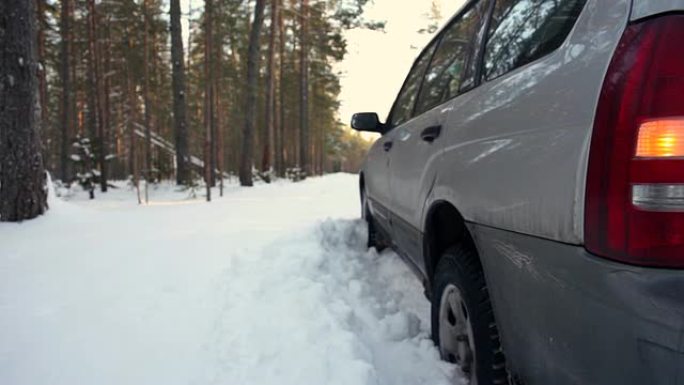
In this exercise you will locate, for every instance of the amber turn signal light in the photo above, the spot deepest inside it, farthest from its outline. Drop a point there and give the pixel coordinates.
(661, 138)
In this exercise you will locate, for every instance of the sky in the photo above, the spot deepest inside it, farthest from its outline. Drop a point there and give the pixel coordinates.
(377, 62)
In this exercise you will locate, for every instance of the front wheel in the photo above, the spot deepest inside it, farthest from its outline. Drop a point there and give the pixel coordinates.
(374, 237)
(463, 325)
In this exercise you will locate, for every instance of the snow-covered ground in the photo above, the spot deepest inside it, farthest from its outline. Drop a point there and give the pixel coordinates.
(269, 285)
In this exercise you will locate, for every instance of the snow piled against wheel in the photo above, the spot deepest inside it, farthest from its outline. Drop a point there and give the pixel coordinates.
(320, 309)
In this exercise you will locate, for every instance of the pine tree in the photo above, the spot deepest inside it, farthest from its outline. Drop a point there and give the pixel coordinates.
(146, 98)
(109, 76)
(279, 111)
(209, 159)
(179, 91)
(84, 160)
(22, 176)
(66, 92)
(42, 25)
(247, 160)
(268, 130)
(304, 166)
(96, 96)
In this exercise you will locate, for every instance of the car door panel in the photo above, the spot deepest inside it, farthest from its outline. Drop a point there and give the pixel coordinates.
(376, 179)
(412, 172)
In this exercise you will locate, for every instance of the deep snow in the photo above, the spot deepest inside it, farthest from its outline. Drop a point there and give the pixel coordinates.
(269, 285)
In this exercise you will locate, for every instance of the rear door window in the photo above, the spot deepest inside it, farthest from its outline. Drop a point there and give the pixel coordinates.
(522, 31)
(444, 76)
(403, 107)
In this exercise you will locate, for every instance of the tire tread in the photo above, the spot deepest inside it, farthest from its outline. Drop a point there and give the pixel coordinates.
(461, 266)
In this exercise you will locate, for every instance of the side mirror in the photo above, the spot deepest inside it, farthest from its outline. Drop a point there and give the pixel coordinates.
(367, 121)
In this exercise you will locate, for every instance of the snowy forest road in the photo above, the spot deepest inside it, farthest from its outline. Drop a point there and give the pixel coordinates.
(269, 285)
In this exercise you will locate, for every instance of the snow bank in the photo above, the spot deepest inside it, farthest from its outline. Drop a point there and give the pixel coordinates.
(320, 309)
(258, 288)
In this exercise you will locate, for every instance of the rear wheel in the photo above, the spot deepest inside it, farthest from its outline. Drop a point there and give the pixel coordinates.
(463, 325)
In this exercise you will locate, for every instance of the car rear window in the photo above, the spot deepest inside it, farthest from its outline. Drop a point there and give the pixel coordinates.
(522, 31)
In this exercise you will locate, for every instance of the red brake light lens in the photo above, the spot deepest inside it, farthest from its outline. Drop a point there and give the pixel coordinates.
(635, 182)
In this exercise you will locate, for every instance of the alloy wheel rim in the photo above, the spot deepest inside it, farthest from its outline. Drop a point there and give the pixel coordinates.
(456, 342)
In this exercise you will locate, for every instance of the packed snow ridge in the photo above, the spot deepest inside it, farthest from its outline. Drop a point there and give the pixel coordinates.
(270, 285)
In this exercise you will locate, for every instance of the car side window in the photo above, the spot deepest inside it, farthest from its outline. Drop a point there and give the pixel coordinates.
(403, 107)
(444, 75)
(522, 31)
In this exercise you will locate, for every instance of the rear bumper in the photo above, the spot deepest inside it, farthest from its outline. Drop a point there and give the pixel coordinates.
(568, 317)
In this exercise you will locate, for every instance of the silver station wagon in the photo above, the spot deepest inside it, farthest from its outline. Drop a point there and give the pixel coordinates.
(531, 172)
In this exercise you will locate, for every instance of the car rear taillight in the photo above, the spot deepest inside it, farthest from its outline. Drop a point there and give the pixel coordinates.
(635, 181)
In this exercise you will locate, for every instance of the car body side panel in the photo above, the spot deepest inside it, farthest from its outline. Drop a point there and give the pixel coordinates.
(567, 317)
(412, 172)
(646, 8)
(517, 146)
(376, 177)
(413, 165)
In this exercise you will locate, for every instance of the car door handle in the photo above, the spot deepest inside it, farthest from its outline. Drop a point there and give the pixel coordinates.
(431, 133)
(387, 145)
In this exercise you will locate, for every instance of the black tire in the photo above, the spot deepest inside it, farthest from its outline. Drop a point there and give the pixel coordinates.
(374, 237)
(459, 275)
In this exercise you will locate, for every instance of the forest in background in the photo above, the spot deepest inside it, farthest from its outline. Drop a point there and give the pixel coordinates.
(251, 87)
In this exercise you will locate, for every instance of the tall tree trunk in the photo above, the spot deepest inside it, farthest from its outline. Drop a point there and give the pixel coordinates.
(188, 64)
(321, 143)
(268, 131)
(65, 74)
(179, 105)
(105, 81)
(154, 94)
(42, 25)
(218, 115)
(22, 174)
(280, 126)
(74, 54)
(132, 121)
(247, 159)
(208, 95)
(90, 91)
(214, 49)
(233, 135)
(211, 83)
(305, 166)
(220, 167)
(146, 96)
(96, 94)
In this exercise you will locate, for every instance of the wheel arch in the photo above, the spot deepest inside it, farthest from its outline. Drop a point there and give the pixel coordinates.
(444, 227)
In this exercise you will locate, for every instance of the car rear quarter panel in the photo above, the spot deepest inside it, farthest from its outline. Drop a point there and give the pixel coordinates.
(516, 148)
